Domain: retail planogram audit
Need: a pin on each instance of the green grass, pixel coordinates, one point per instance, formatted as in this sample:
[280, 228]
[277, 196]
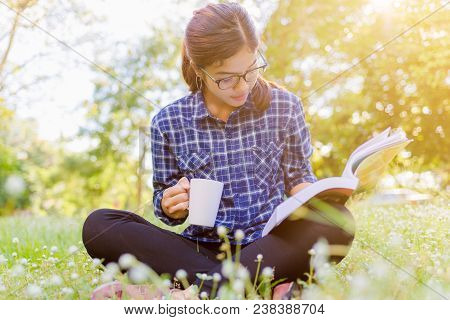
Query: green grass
[400, 252]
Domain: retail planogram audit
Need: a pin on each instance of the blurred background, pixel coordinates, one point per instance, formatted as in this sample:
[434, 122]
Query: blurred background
[80, 82]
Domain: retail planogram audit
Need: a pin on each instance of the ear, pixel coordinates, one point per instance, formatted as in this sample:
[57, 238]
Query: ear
[194, 67]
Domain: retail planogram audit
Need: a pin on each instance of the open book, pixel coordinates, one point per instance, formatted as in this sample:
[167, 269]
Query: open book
[363, 169]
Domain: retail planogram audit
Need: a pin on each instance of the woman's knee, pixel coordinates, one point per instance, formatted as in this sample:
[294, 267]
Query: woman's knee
[98, 221]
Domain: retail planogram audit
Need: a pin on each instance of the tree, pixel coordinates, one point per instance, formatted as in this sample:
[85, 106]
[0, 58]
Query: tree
[404, 85]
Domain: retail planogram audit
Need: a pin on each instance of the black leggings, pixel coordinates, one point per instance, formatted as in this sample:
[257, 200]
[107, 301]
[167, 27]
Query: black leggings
[109, 233]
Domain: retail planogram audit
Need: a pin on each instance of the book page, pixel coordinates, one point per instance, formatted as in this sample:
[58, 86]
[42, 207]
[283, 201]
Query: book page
[371, 168]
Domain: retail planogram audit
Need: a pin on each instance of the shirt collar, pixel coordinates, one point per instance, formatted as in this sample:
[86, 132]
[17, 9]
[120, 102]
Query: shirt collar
[201, 111]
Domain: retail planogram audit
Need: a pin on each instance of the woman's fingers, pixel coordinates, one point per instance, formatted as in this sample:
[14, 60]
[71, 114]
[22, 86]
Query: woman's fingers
[179, 211]
[173, 201]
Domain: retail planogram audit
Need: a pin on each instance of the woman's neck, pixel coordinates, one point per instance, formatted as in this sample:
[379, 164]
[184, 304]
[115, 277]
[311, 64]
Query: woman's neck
[216, 107]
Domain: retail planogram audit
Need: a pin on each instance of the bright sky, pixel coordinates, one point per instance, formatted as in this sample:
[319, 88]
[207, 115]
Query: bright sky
[56, 103]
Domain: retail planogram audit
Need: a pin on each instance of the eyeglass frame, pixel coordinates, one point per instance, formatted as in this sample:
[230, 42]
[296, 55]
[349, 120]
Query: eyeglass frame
[242, 75]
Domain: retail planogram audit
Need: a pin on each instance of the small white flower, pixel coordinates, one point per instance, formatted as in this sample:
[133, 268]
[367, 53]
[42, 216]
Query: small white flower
[127, 260]
[23, 261]
[33, 291]
[96, 262]
[139, 273]
[227, 268]
[34, 265]
[94, 281]
[15, 240]
[69, 264]
[239, 235]
[217, 277]
[107, 276]
[113, 268]
[242, 273]
[312, 252]
[181, 274]
[259, 257]
[221, 231]
[267, 272]
[74, 276]
[51, 260]
[67, 291]
[55, 280]
[44, 247]
[238, 286]
[54, 249]
[72, 249]
[14, 254]
[203, 295]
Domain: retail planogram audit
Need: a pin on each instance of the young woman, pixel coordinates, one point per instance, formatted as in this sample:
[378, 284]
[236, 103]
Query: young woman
[234, 127]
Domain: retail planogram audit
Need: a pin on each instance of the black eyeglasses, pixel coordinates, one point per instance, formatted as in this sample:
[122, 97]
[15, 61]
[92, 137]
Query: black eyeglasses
[249, 76]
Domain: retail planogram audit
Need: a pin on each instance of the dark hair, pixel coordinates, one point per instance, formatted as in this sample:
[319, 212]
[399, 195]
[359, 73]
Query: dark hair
[215, 33]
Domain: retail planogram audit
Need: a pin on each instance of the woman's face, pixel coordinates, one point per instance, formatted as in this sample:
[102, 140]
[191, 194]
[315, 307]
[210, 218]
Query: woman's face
[242, 61]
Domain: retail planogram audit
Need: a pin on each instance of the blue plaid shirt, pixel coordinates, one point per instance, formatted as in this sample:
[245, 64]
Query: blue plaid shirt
[258, 155]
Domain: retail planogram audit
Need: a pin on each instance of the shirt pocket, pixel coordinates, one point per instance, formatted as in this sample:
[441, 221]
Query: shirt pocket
[266, 164]
[196, 164]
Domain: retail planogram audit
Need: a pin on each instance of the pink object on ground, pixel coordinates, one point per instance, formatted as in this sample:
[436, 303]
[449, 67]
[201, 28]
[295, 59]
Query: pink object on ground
[284, 291]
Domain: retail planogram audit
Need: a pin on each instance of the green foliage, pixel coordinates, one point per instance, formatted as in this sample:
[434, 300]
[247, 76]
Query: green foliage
[404, 85]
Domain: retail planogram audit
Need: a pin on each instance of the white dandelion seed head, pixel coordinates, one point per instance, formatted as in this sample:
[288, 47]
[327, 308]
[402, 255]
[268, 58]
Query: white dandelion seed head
[203, 276]
[55, 280]
[181, 274]
[74, 276]
[203, 295]
[54, 249]
[239, 235]
[267, 272]
[259, 257]
[138, 273]
[311, 252]
[227, 268]
[67, 291]
[72, 249]
[15, 240]
[221, 231]
[33, 291]
[127, 260]
[217, 277]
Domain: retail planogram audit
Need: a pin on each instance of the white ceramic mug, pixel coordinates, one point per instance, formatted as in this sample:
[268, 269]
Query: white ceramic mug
[204, 201]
